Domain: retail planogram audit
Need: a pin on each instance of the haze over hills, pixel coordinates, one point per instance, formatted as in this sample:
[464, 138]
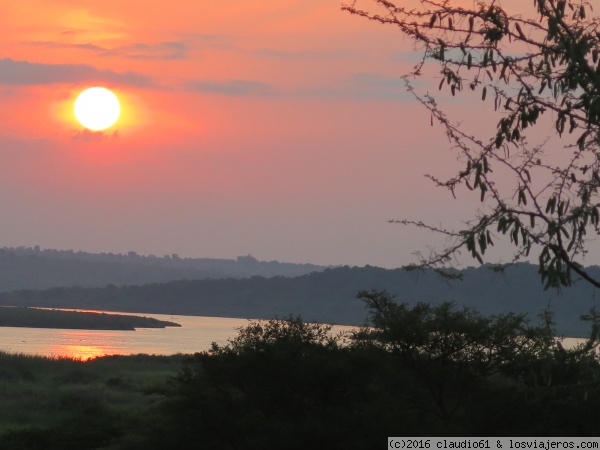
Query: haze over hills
[330, 295]
[35, 268]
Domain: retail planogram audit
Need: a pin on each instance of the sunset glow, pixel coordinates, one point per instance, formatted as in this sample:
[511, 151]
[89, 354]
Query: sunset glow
[81, 352]
[279, 129]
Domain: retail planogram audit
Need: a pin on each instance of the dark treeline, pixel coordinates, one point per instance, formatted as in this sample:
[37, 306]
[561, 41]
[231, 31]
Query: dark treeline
[329, 296]
[46, 318]
[35, 268]
[422, 370]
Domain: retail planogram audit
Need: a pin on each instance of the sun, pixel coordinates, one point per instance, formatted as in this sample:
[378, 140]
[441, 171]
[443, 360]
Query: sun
[97, 108]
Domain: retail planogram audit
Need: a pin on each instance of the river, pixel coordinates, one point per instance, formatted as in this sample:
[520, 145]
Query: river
[195, 334]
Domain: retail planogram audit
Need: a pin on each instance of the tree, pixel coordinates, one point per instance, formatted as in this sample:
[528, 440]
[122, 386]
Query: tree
[282, 384]
[433, 370]
[451, 350]
[532, 67]
[478, 371]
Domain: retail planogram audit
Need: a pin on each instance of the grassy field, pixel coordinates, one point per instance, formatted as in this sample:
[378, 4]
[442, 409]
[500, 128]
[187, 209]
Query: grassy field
[67, 403]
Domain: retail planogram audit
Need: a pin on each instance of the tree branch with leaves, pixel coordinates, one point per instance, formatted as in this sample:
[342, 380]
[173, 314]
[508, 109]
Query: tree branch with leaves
[544, 65]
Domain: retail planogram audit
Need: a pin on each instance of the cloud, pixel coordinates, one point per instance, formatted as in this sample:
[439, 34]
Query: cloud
[72, 32]
[24, 73]
[166, 50]
[377, 86]
[307, 54]
[64, 45]
[406, 56]
[93, 136]
[359, 86]
[140, 50]
[234, 87]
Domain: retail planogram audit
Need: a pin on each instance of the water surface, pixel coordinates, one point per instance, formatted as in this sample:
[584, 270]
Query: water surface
[195, 334]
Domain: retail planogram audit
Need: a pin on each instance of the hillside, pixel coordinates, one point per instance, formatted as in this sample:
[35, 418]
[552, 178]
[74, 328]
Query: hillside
[34, 268]
[330, 295]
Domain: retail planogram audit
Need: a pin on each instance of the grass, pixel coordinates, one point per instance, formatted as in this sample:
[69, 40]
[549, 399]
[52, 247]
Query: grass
[41, 392]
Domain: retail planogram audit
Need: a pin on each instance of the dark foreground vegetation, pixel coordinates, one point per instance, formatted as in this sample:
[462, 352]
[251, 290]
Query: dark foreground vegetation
[417, 371]
[67, 404]
[78, 320]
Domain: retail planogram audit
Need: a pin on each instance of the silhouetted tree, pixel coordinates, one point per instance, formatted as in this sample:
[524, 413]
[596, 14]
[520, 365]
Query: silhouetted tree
[525, 66]
[288, 384]
[479, 371]
[421, 370]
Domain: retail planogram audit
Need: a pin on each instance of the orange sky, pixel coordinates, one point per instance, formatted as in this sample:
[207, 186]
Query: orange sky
[277, 128]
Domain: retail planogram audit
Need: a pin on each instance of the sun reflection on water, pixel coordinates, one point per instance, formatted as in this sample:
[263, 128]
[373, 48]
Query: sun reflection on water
[81, 352]
[196, 334]
[86, 344]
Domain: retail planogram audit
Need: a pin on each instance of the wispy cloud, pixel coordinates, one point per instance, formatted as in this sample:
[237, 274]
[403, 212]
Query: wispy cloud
[377, 86]
[93, 136]
[234, 87]
[139, 50]
[142, 50]
[72, 32]
[359, 86]
[306, 54]
[26, 73]
[65, 45]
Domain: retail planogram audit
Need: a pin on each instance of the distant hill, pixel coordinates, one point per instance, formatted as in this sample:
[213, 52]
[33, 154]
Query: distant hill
[330, 295]
[34, 268]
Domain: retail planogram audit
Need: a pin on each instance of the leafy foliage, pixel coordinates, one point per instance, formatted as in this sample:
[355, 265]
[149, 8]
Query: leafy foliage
[546, 63]
[433, 370]
[279, 383]
[462, 357]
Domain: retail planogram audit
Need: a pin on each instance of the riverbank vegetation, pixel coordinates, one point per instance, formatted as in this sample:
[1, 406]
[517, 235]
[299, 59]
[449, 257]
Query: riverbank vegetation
[421, 370]
[79, 320]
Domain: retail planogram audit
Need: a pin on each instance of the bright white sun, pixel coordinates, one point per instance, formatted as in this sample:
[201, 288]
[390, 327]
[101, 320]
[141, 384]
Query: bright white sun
[97, 108]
